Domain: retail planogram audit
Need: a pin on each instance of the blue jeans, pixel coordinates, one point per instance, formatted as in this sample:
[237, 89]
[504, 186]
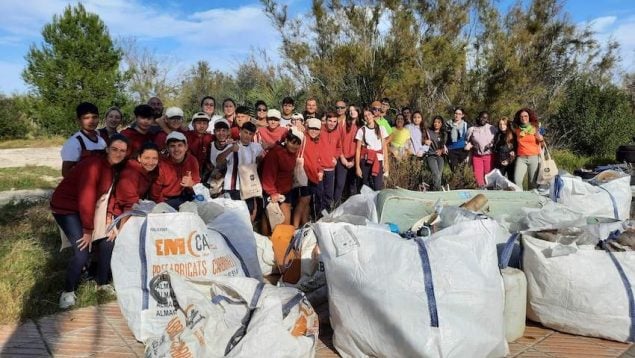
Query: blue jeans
[72, 227]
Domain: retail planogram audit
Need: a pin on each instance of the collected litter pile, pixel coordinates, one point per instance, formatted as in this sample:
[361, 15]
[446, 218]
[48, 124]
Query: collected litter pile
[449, 274]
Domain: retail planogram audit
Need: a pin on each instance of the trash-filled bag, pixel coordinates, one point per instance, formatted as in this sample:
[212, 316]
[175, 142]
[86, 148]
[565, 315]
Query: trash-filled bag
[580, 290]
[436, 297]
[234, 317]
[149, 244]
[497, 181]
[607, 195]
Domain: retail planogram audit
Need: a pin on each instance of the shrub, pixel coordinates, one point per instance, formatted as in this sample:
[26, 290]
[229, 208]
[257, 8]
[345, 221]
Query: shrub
[593, 119]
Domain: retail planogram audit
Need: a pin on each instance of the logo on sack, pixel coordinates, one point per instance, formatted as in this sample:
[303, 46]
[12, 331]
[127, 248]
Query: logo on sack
[194, 244]
[547, 170]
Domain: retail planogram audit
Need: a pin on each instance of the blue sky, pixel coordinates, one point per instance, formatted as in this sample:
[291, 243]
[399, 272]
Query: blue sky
[224, 32]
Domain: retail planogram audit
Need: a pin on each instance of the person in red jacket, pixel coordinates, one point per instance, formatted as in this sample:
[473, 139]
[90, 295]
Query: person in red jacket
[178, 173]
[74, 205]
[345, 178]
[331, 150]
[140, 133]
[173, 122]
[277, 173]
[273, 133]
[199, 142]
[136, 179]
[313, 167]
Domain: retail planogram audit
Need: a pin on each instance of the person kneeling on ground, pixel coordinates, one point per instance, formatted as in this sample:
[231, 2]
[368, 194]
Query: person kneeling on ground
[178, 173]
[79, 206]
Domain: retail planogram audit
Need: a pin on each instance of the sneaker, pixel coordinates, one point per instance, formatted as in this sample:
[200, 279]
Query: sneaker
[67, 299]
[107, 289]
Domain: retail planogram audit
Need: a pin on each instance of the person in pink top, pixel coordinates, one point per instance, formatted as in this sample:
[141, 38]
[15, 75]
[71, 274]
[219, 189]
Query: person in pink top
[480, 140]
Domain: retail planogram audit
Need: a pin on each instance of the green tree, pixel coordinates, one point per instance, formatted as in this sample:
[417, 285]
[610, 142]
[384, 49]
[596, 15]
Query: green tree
[201, 81]
[15, 117]
[76, 62]
[594, 119]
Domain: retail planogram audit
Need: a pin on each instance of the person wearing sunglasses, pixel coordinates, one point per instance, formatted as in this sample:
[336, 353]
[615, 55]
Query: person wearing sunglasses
[261, 114]
[376, 110]
[340, 109]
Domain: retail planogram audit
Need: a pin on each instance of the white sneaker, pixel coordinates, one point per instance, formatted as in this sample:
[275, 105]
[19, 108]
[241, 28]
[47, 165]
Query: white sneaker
[67, 299]
[107, 289]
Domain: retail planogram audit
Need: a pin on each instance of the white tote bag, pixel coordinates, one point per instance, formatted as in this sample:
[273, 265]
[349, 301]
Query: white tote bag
[547, 169]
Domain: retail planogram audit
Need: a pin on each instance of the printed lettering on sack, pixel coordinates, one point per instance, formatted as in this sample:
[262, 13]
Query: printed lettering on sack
[179, 251]
[167, 309]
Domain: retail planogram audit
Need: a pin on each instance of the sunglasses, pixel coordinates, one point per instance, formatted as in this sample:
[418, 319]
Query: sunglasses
[261, 110]
[340, 107]
[375, 109]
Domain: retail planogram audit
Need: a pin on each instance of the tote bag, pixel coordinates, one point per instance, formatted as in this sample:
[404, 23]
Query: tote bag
[250, 186]
[547, 169]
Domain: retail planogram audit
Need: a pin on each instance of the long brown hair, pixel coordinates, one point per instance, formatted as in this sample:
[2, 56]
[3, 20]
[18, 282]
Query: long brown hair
[509, 132]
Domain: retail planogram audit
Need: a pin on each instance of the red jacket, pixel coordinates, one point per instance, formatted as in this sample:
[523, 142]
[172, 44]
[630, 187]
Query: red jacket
[268, 137]
[134, 183]
[330, 147]
[137, 140]
[312, 159]
[168, 184]
[199, 146]
[277, 170]
[349, 146]
[159, 139]
[79, 191]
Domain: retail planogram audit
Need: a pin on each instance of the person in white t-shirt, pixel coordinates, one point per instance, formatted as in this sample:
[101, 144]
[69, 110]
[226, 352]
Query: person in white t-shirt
[86, 141]
[242, 152]
[371, 154]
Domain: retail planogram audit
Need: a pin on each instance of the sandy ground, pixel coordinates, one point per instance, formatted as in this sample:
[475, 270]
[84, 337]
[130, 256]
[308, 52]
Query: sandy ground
[21, 157]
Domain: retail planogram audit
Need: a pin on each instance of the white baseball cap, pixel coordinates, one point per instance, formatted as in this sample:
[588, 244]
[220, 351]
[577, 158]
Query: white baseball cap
[173, 112]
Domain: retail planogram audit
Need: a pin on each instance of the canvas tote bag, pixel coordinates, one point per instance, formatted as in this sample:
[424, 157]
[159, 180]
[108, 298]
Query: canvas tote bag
[547, 169]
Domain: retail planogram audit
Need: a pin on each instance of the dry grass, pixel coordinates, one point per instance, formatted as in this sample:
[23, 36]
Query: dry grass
[412, 172]
[31, 267]
[40, 142]
[29, 177]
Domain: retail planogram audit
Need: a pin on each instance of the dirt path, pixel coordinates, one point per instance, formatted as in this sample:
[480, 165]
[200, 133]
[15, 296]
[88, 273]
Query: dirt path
[21, 157]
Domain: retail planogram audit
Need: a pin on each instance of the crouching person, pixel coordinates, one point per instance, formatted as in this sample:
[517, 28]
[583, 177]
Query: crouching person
[135, 179]
[241, 161]
[178, 173]
[79, 206]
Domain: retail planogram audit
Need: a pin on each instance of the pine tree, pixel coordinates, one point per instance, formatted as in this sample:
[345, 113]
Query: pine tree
[76, 62]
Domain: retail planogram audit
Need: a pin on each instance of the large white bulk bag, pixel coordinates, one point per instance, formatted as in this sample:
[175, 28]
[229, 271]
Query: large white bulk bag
[152, 243]
[235, 317]
[599, 198]
[587, 292]
[436, 297]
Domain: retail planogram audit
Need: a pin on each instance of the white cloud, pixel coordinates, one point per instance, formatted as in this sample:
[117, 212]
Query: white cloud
[602, 23]
[222, 36]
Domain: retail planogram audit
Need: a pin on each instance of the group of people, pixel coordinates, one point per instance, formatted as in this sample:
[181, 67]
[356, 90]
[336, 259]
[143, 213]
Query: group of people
[513, 147]
[306, 162]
